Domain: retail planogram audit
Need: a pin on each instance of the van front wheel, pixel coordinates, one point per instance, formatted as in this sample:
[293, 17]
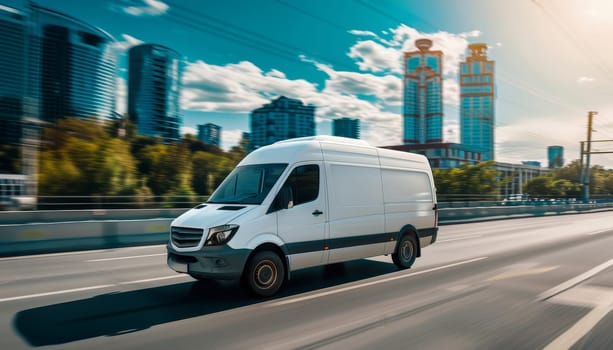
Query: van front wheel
[406, 252]
[264, 274]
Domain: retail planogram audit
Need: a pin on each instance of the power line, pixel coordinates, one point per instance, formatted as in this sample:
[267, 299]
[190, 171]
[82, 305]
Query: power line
[309, 14]
[243, 35]
[570, 35]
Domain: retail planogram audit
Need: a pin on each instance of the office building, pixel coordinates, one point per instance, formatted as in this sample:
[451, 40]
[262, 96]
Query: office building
[477, 113]
[443, 155]
[346, 127]
[75, 72]
[14, 27]
[555, 155]
[532, 163]
[423, 94]
[210, 134]
[281, 119]
[513, 177]
[153, 91]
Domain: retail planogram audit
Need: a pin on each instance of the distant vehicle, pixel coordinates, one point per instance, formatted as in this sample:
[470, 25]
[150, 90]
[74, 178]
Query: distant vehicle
[307, 202]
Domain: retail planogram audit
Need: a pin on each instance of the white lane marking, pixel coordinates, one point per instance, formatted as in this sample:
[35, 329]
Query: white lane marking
[462, 236]
[601, 299]
[599, 232]
[101, 286]
[574, 281]
[155, 279]
[37, 256]
[29, 296]
[126, 257]
[345, 289]
[53, 255]
[456, 239]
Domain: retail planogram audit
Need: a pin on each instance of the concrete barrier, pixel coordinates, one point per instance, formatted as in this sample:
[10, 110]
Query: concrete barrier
[51, 235]
[22, 217]
[21, 239]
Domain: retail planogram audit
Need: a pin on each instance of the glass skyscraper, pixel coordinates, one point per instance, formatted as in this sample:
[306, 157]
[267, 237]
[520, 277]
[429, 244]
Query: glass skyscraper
[555, 155]
[209, 134]
[477, 93]
[13, 72]
[423, 99]
[283, 118]
[346, 127]
[72, 65]
[154, 91]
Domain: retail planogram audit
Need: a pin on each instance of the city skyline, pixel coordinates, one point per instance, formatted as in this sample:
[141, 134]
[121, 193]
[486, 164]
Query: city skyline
[356, 69]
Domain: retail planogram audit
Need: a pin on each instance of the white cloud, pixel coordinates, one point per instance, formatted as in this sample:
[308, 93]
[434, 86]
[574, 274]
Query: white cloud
[375, 57]
[230, 138]
[189, 130]
[585, 80]
[239, 87]
[363, 33]
[141, 7]
[121, 96]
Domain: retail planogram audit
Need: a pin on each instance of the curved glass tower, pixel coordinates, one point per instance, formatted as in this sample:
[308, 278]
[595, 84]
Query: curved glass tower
[154, 91]
[76, 67]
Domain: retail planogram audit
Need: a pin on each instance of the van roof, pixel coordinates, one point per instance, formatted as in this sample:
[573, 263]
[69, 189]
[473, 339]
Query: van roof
[312, 148]
[328, 138]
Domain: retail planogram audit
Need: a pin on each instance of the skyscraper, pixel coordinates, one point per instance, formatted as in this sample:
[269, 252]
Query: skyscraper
[555, 155]
[346, 127]
[477, 101]
[281, 119]
[153, 91]
[423, 89]
[13, 73]
[74, 65]
[210, 134]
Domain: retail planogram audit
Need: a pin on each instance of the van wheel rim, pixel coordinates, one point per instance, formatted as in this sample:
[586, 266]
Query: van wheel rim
[265, 274]
[406, 250]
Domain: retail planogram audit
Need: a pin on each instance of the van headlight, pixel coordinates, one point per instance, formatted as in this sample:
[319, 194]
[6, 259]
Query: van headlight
[220, 234]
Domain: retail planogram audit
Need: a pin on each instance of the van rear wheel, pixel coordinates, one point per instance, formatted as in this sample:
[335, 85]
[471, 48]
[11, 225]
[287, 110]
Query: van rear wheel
[406, 252]
[264, 274]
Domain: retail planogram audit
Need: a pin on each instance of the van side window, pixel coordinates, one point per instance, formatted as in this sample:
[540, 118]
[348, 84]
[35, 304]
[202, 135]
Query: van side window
[304, 182]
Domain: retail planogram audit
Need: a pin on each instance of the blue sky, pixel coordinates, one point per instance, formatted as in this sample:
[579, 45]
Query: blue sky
[554, 61]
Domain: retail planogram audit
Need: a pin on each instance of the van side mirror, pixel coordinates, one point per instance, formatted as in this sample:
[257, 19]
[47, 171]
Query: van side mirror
[285, 198]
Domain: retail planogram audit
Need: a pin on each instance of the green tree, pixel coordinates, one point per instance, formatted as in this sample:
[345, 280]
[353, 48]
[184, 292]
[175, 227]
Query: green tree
[205, 167]
[475, 182]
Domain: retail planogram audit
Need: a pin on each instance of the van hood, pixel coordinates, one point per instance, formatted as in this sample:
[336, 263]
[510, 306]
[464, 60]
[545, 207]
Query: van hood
[210, 215]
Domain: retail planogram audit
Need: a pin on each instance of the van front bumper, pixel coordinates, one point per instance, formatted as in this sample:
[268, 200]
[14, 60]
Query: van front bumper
[215, 262]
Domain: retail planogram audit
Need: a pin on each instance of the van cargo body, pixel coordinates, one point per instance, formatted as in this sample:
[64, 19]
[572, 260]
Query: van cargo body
[307, 202]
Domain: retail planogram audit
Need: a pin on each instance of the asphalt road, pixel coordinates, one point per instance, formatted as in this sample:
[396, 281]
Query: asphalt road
[514, 284]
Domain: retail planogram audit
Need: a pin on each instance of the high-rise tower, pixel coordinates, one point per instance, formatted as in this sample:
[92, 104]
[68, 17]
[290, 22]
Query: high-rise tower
[154, 90]
[423, 94]
[477, 94]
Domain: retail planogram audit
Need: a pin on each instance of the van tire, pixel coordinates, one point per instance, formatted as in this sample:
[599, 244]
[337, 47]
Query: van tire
[264, 274]
[406, 252]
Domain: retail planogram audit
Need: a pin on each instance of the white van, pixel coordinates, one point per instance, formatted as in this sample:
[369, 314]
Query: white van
[306, 202]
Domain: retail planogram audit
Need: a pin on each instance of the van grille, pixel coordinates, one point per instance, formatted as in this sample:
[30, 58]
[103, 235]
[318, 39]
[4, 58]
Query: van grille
[184, 237]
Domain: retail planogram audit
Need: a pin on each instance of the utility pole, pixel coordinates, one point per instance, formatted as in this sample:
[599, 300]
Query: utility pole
[588, 146]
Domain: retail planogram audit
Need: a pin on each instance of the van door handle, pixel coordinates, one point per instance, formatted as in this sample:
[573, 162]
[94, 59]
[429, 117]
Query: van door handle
[317, 212]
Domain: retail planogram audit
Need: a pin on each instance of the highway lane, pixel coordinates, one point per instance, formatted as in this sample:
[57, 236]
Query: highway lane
[479, 286]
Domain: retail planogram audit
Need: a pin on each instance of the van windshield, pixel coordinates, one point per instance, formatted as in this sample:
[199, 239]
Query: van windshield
[248, 184]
